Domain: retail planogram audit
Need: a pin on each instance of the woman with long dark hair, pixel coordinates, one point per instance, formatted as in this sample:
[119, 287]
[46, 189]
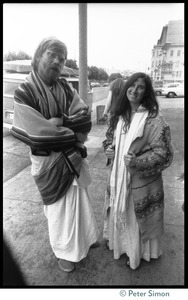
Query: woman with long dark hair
[138, 145]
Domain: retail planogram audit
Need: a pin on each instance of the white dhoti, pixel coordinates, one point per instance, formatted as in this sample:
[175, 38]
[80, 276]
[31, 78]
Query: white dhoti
[72, 224]
[71, 220]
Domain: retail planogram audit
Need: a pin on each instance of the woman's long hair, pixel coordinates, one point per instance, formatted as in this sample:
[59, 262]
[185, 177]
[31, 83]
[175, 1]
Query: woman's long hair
[122, 107]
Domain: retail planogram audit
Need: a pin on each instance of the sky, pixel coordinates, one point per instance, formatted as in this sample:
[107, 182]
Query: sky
[120, 36]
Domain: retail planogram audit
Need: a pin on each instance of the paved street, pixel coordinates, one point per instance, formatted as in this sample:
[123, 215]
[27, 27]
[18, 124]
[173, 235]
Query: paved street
[25, 225]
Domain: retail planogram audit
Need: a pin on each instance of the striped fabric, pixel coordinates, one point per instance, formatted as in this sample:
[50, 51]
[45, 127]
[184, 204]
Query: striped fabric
[34, 104]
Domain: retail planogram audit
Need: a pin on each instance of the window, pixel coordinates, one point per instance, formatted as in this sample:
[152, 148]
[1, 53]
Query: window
[179, 52]
[171, 52]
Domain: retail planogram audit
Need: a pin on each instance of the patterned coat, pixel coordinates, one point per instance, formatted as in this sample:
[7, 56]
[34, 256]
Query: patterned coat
[154, 153]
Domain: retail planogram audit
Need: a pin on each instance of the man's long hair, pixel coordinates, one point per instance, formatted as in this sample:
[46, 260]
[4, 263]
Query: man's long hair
[122, 107]
[51, 43]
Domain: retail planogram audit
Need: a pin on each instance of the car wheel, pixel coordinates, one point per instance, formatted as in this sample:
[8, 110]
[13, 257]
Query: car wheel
[158, 93]
[171, 95]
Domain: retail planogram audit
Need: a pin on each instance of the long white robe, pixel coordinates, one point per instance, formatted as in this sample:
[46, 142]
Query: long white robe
[71, 220]
[127, 240]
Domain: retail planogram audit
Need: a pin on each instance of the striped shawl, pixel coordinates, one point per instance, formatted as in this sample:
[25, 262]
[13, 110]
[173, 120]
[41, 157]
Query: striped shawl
[34, 104]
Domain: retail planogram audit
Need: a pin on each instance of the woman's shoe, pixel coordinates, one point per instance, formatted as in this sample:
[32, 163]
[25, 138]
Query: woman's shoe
[65, 265]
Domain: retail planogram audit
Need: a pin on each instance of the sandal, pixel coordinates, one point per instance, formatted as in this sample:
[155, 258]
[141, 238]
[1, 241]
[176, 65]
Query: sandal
[65, 265]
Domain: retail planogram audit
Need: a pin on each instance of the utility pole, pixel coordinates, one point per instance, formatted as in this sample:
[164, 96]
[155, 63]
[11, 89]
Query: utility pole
[83, 78]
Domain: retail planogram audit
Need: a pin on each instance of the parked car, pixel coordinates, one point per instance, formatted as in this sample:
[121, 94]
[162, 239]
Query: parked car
[11, 81]
[158, 91]
[95, 84]
[105, 84]
[173, 90]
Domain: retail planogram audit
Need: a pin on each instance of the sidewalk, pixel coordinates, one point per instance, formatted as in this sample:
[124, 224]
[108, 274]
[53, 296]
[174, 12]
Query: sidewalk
[25, 226]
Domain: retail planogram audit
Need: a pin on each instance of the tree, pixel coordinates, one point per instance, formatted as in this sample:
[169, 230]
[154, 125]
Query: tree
[71, 63]
[102, 75]
[114, 76]
[97, 74]
[93, 73]
[16, 56]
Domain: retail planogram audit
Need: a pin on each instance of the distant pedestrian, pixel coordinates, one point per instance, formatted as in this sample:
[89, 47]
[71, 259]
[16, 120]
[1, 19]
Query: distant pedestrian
[50, 117]
[115, 88]
[138, 144]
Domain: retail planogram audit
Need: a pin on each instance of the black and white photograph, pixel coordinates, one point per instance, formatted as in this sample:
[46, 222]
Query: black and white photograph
[93, 150]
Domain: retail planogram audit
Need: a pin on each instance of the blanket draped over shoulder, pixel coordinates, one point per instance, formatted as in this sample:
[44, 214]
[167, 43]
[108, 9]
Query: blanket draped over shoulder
[34, 105]
[154, 153]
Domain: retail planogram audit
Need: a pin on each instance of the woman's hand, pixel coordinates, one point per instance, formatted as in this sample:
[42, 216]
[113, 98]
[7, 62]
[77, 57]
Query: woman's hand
[110, 152]
[130, 159]
[56, 121]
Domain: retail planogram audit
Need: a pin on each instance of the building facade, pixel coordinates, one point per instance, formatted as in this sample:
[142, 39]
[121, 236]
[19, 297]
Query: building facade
[167, 64]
